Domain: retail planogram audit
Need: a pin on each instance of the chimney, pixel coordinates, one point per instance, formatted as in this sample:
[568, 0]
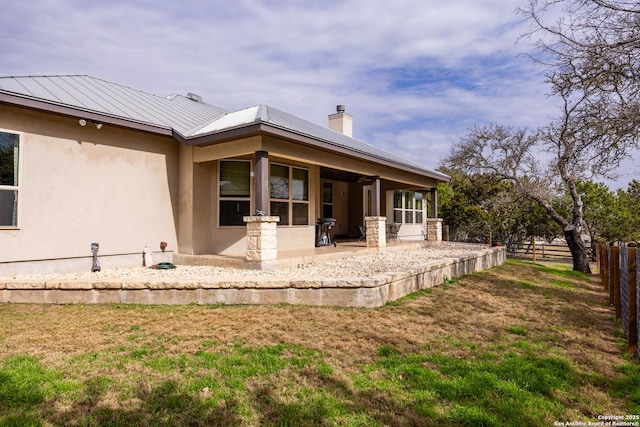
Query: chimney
[341, 122]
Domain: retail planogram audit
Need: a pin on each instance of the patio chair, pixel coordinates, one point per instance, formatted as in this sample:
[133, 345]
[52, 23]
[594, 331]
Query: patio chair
[392, 231]
[363, 232]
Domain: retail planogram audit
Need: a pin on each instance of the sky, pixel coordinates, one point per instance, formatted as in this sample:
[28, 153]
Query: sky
[415, 75]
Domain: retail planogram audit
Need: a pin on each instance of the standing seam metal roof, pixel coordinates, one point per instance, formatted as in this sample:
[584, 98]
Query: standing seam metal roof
[100, 96]
[283, 120]
[190, 118]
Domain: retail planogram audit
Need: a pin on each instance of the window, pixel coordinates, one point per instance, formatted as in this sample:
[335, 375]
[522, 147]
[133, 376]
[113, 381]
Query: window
[397, 206]
[289, 192]
[419, 207]
[9, 178]
[408, 207]
[235, 191]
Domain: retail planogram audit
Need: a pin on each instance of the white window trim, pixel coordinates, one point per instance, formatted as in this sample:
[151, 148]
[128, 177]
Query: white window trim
[17, 188]
[290, 200]
[404, 210]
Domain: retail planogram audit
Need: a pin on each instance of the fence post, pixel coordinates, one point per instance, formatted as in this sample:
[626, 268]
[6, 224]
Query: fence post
[614, 289]
[605, 267]
[637, 303]
[533, 249]
[606, 264]
[632, 336]
[609, 273]
[600, 261]
[624, 288]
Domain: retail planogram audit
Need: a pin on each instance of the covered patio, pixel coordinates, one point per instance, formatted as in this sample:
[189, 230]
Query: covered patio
[294, 257]
[256, 184]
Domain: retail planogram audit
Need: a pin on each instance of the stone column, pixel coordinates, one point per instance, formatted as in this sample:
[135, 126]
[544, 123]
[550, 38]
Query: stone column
[262, 239]
[376, 231]
[434, 229]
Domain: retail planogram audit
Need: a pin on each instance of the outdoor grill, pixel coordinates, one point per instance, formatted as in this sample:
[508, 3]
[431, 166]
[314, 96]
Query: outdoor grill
[323, 235]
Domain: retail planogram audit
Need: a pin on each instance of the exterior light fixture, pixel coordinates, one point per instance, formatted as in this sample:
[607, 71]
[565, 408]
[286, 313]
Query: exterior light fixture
[83, 123]
[94, 249]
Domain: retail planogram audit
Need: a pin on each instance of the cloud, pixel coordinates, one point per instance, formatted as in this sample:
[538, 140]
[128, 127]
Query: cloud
[413, 74]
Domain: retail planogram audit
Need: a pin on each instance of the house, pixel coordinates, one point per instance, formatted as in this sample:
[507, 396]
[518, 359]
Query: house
[84, 160]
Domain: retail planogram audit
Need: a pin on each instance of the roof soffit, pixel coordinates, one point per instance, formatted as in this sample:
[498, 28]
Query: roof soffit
[307, 140]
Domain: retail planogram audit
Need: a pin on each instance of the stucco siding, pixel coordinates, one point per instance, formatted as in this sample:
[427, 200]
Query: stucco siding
[411, 232]
[111, 186]
[298, 237]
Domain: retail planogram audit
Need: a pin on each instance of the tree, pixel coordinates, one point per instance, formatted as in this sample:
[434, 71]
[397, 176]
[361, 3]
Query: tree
[591, 49]
[628, 209]
[592, 52]
[460, 205]
[603, 214]
[475, 205]
[611, 216]
[513, 155]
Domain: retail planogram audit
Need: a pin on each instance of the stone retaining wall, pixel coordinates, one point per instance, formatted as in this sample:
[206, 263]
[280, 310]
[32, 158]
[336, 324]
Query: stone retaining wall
[370, 292]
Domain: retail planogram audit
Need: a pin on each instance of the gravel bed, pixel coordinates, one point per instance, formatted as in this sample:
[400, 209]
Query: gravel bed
[354, 266]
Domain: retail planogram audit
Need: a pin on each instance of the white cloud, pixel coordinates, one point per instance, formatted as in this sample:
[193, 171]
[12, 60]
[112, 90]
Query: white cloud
[412, 73]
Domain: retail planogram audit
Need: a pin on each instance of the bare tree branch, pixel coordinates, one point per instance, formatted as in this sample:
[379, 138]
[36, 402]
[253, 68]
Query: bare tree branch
[512, 154]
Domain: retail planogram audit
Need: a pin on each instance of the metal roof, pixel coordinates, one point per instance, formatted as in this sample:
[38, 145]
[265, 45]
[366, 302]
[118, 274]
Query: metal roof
[89, 94]
[189, 117]
[283, 120]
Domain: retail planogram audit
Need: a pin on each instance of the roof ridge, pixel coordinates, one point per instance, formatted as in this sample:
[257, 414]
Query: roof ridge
[326, 128]
[25, 76]
[339, 136]
[263, 113]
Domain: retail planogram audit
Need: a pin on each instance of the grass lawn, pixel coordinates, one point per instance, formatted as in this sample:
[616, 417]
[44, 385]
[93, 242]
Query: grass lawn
[518, 345]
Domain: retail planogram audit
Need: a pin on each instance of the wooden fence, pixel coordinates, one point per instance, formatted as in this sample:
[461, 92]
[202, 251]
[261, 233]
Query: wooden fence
[618, 267]
[543, 250]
